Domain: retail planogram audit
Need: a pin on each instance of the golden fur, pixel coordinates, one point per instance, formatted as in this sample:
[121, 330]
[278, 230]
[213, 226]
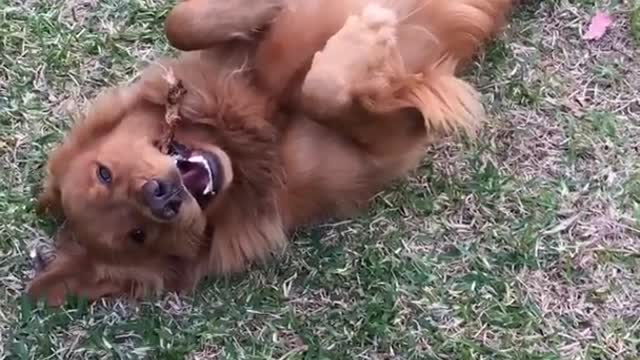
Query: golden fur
[288, 156]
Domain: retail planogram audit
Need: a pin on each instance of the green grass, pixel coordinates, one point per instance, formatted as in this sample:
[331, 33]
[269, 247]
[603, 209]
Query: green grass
[635, 23]
[523, 244]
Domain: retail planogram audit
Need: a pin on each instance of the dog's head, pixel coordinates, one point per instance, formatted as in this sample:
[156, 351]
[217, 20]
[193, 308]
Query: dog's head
[127, 205]
[123, 197]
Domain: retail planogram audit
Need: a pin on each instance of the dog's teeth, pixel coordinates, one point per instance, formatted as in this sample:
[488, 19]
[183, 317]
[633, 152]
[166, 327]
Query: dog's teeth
[199, 159]
[209, 189]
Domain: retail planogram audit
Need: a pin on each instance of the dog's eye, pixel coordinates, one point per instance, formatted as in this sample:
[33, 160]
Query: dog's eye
[137, 236]
[104, 174]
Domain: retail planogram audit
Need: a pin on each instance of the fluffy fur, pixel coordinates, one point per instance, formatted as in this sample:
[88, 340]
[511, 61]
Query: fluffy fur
[292, 150]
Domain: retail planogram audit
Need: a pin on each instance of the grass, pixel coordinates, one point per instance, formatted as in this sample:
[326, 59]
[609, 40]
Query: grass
[521, 245]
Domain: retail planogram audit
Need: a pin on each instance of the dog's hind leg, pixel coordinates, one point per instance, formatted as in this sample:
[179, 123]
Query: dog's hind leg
[386, 59]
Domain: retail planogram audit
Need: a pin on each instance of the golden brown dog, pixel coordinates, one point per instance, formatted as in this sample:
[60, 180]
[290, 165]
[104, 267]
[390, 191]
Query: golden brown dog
[295, 111]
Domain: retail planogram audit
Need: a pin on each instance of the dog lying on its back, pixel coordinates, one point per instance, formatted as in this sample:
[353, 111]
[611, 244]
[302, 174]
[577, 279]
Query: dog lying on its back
[295, 111]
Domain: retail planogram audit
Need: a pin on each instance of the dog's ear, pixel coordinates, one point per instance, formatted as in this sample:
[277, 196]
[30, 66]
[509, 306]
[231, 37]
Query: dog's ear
[55, 282]
[69, 274]
[49, 201]
[66, 279]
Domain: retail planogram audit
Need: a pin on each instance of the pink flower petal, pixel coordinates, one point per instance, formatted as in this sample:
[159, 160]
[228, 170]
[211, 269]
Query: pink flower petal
[599, 24]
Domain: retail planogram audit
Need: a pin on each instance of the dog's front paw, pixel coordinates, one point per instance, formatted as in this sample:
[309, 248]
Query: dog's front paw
[376, 17]
[355, 54]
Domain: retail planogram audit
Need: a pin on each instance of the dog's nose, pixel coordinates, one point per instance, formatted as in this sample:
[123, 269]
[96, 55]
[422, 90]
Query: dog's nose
[163, 198]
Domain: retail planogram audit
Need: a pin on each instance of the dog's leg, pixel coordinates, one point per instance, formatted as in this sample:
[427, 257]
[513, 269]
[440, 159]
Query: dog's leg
[201, 24]
[362, 54]
[383, 62]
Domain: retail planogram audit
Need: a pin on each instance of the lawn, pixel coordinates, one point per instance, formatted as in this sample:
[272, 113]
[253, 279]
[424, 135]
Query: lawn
[521, 244]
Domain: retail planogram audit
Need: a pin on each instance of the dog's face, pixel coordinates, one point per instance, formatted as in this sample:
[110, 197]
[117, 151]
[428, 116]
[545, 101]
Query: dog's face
[124, 200]
[133, 213]
[125, 197]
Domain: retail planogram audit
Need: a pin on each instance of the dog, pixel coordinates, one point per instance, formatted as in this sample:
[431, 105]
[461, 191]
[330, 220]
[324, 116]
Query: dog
[295, 112]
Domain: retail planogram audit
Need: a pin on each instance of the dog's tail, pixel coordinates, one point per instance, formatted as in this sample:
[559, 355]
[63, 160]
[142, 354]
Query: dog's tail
[432, 29]
[434, 39]
[447, 103]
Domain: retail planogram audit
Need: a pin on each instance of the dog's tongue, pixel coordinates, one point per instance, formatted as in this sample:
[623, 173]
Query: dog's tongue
[195, 176]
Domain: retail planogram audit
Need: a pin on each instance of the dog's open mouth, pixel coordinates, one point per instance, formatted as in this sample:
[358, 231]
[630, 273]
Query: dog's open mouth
[200, 171]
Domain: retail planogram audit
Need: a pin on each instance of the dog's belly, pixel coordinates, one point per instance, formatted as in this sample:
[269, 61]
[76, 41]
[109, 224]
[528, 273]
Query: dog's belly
[327, 174]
